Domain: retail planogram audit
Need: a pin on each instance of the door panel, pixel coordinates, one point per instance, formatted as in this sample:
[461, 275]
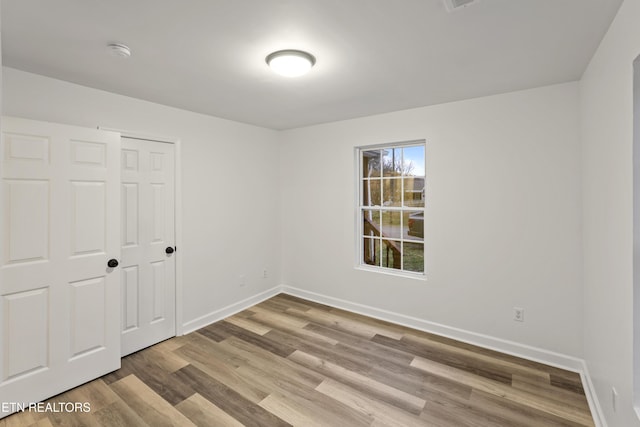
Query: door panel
[88, 228]
[27, 220]
[88, 321]
[130, 292]
[86, 153]
[26, 340]
[158, 286]
[158, 206]
[59, 303]
[27, 149]
[129, 214]
[148, 273]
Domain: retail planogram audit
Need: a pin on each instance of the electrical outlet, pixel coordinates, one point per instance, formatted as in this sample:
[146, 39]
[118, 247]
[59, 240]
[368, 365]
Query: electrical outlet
[264, 274]
[243, 280]
[614, 399]
[518, 314]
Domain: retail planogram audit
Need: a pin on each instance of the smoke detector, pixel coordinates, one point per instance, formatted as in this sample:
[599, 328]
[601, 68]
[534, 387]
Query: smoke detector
[452, 5]
[119, 50]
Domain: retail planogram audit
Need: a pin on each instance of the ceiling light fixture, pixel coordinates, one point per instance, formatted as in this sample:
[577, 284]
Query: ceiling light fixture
[290, 63]
[119, 49]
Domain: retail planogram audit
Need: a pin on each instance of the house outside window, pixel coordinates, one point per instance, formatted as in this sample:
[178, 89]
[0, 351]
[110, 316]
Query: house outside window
[391, 199]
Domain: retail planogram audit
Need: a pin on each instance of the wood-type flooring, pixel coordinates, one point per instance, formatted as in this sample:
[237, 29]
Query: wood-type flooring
[292, 362]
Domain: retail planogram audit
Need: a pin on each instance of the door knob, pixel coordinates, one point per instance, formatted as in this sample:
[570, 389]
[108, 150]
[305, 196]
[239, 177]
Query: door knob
[169, 250]
[112, 263]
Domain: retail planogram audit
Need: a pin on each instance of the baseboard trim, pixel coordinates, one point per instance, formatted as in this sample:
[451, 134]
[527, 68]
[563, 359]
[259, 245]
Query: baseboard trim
[592, 397]
[504, 346]
[535, 354]
[229, 310]
[513, 348]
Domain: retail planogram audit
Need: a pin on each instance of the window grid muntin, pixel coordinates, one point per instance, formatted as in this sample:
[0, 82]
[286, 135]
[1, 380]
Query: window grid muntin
[405, 206]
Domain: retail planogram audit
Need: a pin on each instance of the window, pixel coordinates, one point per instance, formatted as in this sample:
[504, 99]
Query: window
[391, 199]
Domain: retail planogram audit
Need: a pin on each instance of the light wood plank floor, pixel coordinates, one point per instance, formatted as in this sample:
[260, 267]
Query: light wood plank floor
[288, 361]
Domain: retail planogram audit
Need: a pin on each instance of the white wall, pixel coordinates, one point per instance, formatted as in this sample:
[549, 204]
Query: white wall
[607, 134]
[0, 72]
[229, 182]
[503, 216]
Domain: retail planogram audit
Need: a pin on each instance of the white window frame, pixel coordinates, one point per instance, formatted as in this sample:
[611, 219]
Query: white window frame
[360, 208]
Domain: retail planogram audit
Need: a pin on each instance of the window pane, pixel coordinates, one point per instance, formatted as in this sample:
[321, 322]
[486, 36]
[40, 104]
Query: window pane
[414, 191]
[391, 254]
[371, 163]
[392, 162]
[391, 226]
[392, 191]
[413, 225]
[371, 223]
[413, 259]
[413, 158]
[371, 251]
[392, 200]
[371, 192]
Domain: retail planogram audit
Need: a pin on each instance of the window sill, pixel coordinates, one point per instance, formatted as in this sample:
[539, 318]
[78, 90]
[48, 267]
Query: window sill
[422, 277]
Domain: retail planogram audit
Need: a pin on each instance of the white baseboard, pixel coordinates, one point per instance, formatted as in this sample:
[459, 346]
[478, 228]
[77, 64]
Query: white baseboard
[513, 348]
[492, 343]
[229, 310]
[592, 397]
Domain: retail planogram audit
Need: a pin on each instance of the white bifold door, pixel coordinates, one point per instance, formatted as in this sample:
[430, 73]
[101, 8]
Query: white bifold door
[148, 243]
[59, 246]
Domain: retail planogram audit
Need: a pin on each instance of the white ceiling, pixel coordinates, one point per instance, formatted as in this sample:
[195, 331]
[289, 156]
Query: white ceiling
[373, 56]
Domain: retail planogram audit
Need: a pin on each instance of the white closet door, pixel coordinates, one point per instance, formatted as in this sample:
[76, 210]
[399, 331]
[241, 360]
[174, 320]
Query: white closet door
[60, 225]
[148, 243]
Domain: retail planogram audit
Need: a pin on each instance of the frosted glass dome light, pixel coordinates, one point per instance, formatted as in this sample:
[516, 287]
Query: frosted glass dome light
[290, 63]
[120, 50]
